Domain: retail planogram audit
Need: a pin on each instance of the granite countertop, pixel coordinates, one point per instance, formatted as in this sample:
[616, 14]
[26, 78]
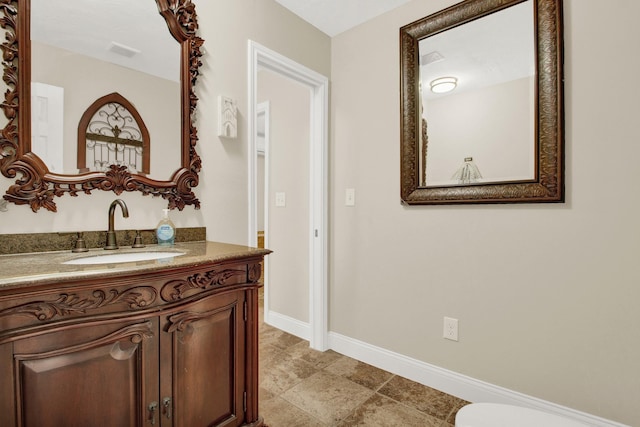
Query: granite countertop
[39, 268]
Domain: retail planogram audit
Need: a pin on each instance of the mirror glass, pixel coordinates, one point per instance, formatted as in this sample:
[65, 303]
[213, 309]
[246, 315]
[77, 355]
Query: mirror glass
[82, 50]
[477, 84]
[481, 109]
[81, 60]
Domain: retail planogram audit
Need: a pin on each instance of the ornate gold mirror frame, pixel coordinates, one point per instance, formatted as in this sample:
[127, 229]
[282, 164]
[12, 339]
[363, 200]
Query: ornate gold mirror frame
[35, 185]
[548, 183]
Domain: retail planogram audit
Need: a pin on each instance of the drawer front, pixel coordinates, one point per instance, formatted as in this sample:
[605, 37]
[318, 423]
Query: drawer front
[72, 301]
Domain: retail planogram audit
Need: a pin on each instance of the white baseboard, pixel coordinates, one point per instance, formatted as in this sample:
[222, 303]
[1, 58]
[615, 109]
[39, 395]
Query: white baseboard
[450, 382]
[288, 324]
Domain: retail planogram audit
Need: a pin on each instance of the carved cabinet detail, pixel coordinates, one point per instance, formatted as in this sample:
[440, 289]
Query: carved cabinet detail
[175, 348]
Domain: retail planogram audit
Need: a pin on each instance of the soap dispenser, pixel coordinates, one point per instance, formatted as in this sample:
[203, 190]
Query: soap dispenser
[166, 231]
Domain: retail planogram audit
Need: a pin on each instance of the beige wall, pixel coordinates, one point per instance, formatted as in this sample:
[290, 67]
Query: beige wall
[156, 99]
[287, 232]
[547, 295]
[226, 26]
[479, 124]
[260, 167]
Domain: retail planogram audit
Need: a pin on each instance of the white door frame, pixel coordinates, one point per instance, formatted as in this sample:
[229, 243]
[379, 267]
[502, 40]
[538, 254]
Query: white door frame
[261, 57]
[265, 108]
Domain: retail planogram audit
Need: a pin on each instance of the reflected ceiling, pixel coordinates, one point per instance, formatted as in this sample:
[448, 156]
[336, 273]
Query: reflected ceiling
[106, 30]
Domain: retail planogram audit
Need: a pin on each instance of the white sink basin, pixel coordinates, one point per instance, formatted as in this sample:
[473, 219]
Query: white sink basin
[122, 257]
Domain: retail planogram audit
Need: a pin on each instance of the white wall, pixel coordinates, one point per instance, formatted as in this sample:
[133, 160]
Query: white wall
[547, 295]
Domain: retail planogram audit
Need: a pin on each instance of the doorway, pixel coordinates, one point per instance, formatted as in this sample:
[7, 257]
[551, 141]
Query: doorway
[262, 58]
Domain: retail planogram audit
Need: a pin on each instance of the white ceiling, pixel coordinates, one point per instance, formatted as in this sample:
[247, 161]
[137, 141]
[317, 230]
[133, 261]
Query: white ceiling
[335, 16]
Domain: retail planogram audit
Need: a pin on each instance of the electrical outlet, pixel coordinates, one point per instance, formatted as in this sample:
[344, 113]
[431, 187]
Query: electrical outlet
[450, 329]
[281, 200]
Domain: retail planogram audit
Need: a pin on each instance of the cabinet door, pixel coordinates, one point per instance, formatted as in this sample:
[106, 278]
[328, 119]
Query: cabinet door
[87, 375]
[203, 362]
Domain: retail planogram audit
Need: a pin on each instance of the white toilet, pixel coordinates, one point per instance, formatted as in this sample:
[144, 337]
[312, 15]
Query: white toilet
[498, 415]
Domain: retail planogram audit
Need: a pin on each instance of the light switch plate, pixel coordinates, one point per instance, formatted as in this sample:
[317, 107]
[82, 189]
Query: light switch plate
[350, 197]
[281, 199]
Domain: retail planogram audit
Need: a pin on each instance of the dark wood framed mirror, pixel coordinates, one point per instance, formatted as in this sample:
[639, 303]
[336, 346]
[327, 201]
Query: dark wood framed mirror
[38, 186]
[504, 58]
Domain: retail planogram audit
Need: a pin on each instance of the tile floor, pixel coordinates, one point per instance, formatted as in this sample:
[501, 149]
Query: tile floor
[300, 387]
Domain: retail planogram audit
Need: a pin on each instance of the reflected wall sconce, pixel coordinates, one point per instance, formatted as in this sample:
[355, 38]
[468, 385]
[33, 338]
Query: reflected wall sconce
[443, 84]
[227, 117]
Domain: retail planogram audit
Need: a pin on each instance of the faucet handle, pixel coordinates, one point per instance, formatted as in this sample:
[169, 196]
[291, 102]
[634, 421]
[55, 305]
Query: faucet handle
[81, 245]
[137, 242]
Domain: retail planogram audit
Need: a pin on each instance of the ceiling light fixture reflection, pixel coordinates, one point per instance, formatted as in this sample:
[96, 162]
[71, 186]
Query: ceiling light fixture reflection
[443, 84]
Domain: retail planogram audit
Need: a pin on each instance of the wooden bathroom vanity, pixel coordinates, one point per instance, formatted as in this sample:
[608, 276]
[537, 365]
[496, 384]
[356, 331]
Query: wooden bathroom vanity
[169, 342]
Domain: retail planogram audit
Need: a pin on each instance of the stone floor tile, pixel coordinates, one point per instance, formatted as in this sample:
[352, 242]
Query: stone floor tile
[327, 397]
[359, 372]
[421, 397]
[264, 394]
[268, 354]
[280, 374]
[277, 412]
[380, 411]
[277, 338]
[451, 419]
[319, 359]
[300, 387]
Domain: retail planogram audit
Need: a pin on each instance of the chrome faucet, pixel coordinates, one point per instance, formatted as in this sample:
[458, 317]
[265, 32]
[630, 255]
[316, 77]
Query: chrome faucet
[111, 233]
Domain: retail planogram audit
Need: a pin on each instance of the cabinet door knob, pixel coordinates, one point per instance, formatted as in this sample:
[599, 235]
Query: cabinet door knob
[153, 407]
[166, 403]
